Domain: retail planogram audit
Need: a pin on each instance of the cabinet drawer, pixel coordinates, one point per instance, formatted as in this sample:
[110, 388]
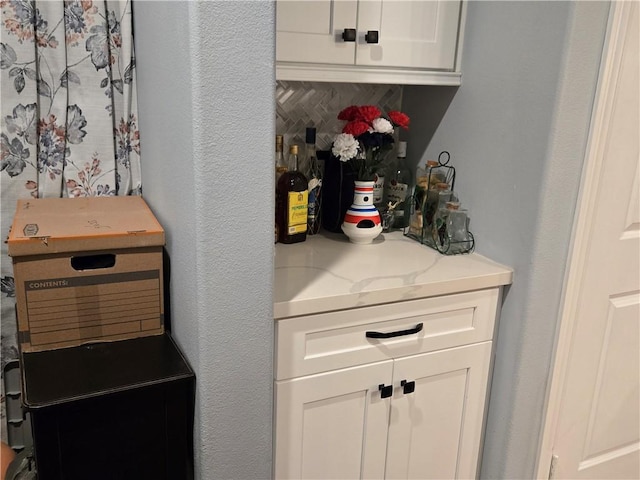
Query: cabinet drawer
[319, 343]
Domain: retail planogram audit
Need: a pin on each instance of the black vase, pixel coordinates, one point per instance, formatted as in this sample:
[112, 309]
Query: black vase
[337, 191]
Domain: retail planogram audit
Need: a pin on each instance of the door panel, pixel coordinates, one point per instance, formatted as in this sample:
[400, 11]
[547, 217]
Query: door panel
[607, 430]
[310, 31]
[333, 425]
[435, 431]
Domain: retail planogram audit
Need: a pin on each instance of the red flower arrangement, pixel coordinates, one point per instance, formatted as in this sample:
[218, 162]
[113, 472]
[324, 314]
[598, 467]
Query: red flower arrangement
[366, 137]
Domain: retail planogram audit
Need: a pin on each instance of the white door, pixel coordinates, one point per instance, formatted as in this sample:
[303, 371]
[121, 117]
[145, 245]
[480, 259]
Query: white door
[333, 425]
[411, 34]
[594, 419]
[435, 427]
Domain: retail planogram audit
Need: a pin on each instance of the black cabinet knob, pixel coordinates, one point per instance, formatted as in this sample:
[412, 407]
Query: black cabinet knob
[407, 387]
[385, 390]
[349, 35]
[371, 36]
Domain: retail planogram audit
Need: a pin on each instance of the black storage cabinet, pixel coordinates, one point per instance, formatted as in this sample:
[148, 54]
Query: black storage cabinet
[113, 410]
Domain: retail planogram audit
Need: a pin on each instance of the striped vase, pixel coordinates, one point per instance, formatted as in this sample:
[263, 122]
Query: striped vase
[362, 222]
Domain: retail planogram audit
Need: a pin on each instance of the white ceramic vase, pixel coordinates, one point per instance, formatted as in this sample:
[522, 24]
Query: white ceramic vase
[362, 223]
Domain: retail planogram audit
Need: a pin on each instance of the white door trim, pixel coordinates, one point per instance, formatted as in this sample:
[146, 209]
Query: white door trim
[594, 160]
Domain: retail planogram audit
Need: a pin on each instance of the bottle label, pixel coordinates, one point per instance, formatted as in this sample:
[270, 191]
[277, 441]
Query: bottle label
[397, 192]
[378, 189]
[297, 212]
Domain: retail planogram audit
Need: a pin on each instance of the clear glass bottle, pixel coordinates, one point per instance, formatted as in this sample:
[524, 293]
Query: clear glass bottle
[281, 165]
[378, 190]
[398, 188]
[292, 197]
[315, 183]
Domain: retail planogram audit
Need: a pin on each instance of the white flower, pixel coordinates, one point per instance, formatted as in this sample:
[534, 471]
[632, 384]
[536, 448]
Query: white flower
[345, 147]
[382, 125]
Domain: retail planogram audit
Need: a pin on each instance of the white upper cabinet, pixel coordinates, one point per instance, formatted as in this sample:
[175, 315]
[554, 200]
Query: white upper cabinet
[371, 41]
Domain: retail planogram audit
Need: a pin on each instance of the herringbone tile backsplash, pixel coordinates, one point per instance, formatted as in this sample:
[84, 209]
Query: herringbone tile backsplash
[316, 104]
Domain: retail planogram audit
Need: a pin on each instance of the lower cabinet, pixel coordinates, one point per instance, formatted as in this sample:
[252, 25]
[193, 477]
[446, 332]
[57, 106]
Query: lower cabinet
[414, 417]
[393, 391]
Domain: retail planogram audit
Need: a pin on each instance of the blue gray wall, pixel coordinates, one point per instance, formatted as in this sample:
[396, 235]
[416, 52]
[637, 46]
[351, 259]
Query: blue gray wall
[206, 101]
[517, 131]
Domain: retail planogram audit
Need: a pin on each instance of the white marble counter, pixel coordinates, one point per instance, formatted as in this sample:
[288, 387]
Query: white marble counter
[328, 273]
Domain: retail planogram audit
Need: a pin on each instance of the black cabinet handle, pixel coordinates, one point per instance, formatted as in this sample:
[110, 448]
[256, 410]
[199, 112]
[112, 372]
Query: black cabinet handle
[385, 390]
[371, 36]
[349, 35]
[408, 387]
[398, 333]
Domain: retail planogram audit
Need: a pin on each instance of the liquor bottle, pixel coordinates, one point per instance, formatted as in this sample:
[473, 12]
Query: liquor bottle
[398, 187]
[281, 165]
[292, 202]
[378, 190]
[315, 183]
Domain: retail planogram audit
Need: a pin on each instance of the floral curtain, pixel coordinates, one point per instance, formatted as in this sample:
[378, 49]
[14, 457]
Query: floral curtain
[68, 111]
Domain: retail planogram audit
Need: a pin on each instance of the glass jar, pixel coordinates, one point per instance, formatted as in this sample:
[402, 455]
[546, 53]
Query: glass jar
[436, 199]
[439, 226]
[458, 232]
[426, 197]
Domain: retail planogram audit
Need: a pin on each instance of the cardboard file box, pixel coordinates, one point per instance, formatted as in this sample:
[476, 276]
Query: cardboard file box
[86, 270]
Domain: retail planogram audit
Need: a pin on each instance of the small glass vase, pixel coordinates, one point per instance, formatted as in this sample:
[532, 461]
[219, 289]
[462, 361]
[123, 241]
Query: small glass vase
[362, 223]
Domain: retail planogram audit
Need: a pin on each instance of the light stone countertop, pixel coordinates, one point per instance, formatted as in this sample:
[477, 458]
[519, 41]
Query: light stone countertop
[327, 272]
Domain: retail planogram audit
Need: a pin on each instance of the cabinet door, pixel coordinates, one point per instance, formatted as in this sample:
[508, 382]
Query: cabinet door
[413, 34]
[311, 31]
[435, 431]
[333, 425]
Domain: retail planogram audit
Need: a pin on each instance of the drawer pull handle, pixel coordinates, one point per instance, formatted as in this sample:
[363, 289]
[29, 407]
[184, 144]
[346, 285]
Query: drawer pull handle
[398, 333]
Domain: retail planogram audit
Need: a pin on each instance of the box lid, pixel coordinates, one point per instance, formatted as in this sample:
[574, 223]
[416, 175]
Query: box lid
[57, 225]
[69, 374]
